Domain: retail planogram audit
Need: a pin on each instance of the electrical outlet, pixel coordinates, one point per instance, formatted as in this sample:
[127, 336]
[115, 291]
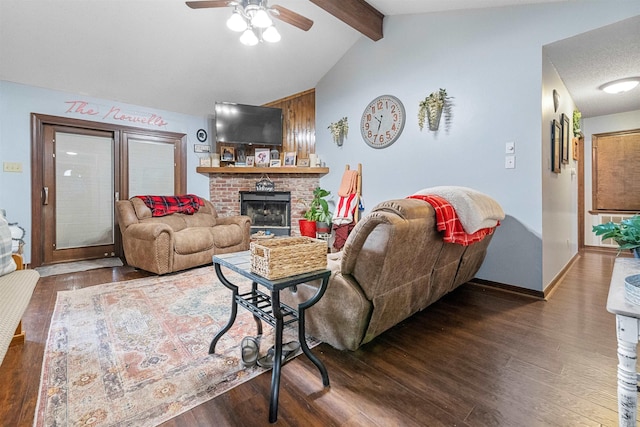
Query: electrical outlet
[510, 162]
[12, 167]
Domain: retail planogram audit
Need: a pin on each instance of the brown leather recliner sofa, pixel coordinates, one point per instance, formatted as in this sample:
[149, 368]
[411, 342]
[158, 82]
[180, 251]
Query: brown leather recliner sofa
[178, 241]
[393, 264]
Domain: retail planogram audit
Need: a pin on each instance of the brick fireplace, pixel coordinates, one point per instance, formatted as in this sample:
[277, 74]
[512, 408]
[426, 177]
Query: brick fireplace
[225, 188]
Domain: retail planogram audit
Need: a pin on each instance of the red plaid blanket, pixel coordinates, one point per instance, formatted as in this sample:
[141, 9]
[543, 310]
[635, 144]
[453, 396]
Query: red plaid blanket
[167, 205]
[448, 221]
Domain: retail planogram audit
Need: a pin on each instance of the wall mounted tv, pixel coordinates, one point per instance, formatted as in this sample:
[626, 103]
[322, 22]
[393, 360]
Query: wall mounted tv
[248, 124]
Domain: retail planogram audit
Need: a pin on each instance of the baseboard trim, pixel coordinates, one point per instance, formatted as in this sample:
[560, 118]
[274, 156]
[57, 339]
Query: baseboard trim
[556, 280]
[507, 288]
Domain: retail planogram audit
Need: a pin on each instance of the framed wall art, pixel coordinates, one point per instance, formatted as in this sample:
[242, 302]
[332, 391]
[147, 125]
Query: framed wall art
[566, 147]
[556, 146]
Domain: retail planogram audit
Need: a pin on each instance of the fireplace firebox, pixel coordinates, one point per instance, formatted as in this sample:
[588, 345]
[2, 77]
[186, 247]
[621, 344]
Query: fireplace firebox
[268, 210]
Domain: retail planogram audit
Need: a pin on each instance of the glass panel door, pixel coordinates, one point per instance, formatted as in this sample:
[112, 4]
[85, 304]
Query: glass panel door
[78, 204]
[151, 168]
[84, 190]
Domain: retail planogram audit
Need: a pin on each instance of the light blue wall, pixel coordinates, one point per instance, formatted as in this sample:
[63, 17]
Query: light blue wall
[17, 102]
[490, 61]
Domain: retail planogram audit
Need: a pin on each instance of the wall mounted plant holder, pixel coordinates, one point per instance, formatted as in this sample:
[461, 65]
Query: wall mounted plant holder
[433, 107]
[339, 130]
[556, 100]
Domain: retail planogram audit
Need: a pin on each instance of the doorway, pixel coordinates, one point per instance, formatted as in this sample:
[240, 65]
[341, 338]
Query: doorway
[80, 169]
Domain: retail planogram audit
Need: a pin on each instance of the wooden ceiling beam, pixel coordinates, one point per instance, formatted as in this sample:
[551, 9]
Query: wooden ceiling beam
[356, 13]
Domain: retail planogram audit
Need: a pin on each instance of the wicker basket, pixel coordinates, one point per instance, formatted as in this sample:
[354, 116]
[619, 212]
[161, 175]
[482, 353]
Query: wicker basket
[282, 257]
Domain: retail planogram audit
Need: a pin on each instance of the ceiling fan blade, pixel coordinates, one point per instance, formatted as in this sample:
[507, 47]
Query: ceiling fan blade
[207, 4]
[290, 17]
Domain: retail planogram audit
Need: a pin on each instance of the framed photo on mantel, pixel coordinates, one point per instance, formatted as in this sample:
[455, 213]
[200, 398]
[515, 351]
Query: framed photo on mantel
[262, 157]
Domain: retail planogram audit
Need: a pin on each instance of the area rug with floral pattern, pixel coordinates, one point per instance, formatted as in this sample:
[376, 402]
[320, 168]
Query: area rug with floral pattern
[135, 353]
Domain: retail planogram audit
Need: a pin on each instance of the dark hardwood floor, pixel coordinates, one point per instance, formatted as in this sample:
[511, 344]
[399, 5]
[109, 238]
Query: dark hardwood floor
[478, 357]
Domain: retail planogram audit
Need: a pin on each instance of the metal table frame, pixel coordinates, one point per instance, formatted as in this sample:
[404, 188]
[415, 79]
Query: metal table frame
[268, 307]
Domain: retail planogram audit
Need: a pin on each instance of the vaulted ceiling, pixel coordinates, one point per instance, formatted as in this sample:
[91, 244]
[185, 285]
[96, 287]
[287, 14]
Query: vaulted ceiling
[164, 55]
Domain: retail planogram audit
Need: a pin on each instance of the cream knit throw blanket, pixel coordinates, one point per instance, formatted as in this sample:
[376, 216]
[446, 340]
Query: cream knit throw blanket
[475, 210]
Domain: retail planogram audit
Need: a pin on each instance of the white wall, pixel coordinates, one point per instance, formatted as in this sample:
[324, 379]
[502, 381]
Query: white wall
[559, 190]
[593, 126]
[17, 102]
[490, 61]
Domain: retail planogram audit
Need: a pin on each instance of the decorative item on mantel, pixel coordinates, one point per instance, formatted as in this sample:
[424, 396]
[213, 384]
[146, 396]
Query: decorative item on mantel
[626, 233]
[265, 184]
[432, 108]
[339, 130]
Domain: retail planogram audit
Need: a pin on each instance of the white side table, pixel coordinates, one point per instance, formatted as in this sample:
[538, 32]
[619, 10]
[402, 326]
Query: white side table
[627, 329]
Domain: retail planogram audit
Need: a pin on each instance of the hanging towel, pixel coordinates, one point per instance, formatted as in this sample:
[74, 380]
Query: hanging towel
[349, 184]
[345, 210]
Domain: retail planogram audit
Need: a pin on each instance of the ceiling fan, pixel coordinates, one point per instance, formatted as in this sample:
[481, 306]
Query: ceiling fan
[248, 9]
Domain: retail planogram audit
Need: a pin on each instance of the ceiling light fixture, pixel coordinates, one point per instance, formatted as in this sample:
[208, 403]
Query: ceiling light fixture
[620, 86]
[251, 18]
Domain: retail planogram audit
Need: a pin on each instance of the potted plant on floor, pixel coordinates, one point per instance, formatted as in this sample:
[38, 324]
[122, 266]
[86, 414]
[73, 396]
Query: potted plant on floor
[626, 233]
[317, 214]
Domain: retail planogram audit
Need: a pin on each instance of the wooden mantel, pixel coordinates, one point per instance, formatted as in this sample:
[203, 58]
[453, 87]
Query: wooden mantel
[255, 170]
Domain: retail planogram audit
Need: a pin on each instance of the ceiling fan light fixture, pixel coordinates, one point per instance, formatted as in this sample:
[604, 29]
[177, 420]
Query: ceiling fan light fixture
[236, 22]
[261, 19]
[620, 86]
[249, 38]
[271, 35]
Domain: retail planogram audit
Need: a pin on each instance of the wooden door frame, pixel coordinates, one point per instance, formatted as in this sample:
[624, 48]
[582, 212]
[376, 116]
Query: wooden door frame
[39, 121]
[581, 195]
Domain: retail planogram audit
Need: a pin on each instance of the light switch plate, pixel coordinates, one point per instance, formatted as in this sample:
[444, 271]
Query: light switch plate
[510, 147]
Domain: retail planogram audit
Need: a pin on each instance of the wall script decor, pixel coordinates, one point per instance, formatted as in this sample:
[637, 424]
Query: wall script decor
[114, 113]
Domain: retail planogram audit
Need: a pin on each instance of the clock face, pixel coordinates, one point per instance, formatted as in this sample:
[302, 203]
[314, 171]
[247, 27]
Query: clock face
[382, 121]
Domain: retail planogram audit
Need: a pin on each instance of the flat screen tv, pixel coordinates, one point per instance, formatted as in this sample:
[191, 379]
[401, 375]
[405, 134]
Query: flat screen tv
[248, 124]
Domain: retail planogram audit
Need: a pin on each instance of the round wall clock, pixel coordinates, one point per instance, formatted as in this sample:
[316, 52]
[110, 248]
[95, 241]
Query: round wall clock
[382, 121]
[201, 135]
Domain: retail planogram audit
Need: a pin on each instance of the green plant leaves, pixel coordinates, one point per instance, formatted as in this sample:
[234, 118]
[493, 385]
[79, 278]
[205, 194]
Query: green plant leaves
[626, 233]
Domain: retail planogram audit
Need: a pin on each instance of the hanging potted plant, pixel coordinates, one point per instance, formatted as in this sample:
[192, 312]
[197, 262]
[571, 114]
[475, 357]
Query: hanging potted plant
[339, 130]
[626, 233]
[317, 217]
[431, 109]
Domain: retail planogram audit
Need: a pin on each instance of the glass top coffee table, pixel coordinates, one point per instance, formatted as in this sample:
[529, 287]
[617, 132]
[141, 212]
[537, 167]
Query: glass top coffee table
[267, 306]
